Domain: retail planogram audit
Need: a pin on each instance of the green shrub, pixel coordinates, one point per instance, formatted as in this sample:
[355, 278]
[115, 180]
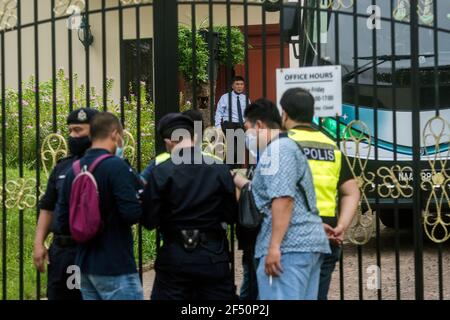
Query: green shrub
[52, 116]
[237, 48]
[185, 51]
[12, 253]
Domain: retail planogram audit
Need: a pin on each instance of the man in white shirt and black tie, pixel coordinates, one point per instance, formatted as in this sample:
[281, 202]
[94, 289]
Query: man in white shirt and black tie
[232, 117]
[239, 102]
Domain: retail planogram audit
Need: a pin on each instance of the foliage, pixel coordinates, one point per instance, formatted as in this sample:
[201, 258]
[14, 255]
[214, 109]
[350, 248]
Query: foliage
[237, 45]
[12, 254]
[13, 243]
[186, 51]
[34, 125]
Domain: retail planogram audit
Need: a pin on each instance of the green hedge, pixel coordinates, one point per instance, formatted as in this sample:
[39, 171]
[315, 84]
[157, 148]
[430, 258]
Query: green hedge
[29, 225]
[51, 115]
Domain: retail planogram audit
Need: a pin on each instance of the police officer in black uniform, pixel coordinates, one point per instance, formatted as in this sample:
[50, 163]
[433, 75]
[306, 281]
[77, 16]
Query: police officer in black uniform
[62, 251]
[190, 197]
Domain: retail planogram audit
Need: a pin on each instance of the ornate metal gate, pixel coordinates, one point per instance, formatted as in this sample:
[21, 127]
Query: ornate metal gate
[394, 130]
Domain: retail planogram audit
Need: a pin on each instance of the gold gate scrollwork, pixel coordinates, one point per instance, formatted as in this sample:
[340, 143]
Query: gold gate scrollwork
[21, 194]
[135, 233]
[128, 2]
[356, 139]
[8, 14]
[393, 187]
[338, 4]
[53, 149]
[61, 6]
[48, 241]
[214, 142]
[436, 214]
[129, 147]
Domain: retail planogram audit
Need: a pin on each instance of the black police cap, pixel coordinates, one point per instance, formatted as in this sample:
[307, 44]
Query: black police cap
[174, 121]
[81, 116]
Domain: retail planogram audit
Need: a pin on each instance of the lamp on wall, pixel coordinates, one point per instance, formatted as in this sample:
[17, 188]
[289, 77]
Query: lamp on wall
[273, 5]
[84, 33]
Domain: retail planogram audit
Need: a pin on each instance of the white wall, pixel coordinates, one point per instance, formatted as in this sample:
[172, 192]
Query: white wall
[112, 39]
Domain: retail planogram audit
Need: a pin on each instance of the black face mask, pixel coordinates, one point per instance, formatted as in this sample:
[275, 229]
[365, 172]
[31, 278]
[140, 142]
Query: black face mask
[78, 146]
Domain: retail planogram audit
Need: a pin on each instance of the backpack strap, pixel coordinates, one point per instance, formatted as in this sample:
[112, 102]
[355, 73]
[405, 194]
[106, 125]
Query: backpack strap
[76, 167]
[98, 160]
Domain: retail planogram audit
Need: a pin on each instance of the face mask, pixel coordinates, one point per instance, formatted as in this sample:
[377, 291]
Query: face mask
[251, 142]
[78, 146]
[119, 150]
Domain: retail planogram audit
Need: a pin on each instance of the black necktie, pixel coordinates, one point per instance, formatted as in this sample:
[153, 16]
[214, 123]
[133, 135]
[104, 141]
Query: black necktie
[241, 119]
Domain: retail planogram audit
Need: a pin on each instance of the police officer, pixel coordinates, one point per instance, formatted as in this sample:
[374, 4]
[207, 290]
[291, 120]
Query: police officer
[197, 117]
[61, 254]
[190, 197]
[331, 174]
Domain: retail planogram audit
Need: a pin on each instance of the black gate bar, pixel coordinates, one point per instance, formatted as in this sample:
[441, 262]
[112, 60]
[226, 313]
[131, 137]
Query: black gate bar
[37, 123]
[166, 60]
[417, 203]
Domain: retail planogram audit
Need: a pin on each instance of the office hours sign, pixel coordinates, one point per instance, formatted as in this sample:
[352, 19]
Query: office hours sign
[324, 83]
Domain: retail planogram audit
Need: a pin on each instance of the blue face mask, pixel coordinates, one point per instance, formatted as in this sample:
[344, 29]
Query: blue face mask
[119, 150]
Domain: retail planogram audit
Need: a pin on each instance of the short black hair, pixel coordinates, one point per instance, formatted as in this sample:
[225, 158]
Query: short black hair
[103, 124]
[298, 103]
[195, 115]
[167, 134]
[237, 78]
[265, 111]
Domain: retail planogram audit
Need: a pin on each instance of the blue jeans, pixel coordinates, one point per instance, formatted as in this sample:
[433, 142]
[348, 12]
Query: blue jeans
[326, 271]
[299, 280]
[123, 287]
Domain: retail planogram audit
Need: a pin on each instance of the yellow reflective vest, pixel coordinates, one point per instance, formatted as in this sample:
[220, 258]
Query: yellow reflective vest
[163, 157]
[324, 159]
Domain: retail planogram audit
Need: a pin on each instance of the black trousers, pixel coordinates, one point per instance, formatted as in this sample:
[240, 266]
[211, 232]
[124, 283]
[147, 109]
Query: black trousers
[233, 160]
[249, 288]
[203, 274]
[60, 259]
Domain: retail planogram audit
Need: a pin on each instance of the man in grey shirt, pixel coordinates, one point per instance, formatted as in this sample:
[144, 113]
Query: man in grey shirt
[292, 240]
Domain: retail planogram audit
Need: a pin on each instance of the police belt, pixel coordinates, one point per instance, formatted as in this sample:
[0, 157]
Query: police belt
[203, 237]
[64, 240]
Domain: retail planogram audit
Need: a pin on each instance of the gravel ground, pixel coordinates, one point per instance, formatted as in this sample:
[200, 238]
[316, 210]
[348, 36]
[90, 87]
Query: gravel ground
[351, 271]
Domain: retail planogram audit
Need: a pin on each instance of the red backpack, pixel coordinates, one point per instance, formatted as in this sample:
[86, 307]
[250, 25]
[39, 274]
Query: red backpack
[85, 219]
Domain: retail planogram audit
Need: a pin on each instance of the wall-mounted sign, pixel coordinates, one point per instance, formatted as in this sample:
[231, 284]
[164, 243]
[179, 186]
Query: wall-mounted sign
[324, 83]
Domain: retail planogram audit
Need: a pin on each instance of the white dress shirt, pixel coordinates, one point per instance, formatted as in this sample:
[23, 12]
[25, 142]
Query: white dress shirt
[222, 111]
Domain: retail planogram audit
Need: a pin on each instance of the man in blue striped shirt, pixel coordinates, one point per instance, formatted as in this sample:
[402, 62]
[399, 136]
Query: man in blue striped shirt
[291, 241]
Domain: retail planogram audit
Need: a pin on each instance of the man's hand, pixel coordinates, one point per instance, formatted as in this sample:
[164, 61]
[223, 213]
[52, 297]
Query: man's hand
[239, 180]
[329, 231]
[335, 235]
[339, 233]
[273, 262]
[40, 256]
